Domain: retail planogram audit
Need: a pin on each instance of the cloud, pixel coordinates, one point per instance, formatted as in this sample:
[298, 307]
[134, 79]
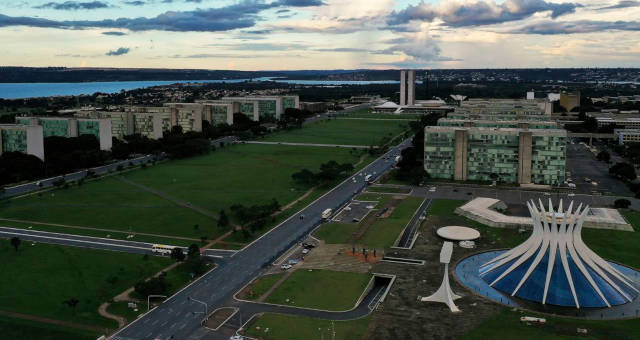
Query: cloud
[135, 3]
[115, 33]
[242, 14]
[261, 47]
[580, 26]
[477, 13]
[622, 4]
[119, 51]
[73, 5]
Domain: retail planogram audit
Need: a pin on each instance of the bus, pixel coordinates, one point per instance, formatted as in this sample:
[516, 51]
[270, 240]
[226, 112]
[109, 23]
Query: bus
[327, 213]
[162, 249]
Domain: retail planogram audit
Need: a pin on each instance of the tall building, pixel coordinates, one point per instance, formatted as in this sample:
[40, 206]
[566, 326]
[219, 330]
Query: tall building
[407, 87]
[569, 101]
[515, 155]
[22, 138]
[72, 127]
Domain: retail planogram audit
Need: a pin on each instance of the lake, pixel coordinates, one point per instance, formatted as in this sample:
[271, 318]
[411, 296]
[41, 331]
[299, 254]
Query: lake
[30, 90]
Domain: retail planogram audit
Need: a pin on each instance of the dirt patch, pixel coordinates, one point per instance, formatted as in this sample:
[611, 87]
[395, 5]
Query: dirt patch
[218, 317]
[401, 316]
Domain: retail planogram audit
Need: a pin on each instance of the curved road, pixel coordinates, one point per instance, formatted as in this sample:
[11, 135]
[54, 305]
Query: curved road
[180, 316]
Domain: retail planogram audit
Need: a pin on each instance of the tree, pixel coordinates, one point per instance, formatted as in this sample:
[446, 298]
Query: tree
[72, 303]
[621, 203]
[193, 252]
[624, 171]
[223, 221]
[305, 177]
[177, 254]
[604, 156]
[15, 242]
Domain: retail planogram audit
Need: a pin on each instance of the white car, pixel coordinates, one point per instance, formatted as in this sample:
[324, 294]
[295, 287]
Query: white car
[432, 189]
[305, 251]
[285, 266]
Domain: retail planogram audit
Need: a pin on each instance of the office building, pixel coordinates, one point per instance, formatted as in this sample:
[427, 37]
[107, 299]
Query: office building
[492, 106]
[495, 123]
[22, 138]
[624, 136]
[570, 101]
[314, 107]
[514, 155]
[627, 121]
[72, 127]
[259, 108]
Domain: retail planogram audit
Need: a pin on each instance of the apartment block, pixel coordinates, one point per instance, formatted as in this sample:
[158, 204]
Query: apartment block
[22, 138]
[515, 155]
[72, 127]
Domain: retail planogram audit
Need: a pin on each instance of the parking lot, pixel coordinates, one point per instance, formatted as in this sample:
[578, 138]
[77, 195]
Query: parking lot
[582, 164]
[354, 212]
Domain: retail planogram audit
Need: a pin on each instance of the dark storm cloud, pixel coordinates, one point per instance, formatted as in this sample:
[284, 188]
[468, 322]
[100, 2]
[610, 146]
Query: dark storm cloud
[119, 51]
[581, 26]
[73, 5]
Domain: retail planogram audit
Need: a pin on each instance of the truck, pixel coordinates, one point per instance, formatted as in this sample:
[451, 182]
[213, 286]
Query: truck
[367, 178]
[326, 213]
[397, 159]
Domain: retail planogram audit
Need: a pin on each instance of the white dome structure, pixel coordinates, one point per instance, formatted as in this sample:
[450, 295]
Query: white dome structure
[554, 266]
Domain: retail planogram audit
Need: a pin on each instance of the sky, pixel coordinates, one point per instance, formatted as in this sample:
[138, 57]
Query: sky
[320, 34]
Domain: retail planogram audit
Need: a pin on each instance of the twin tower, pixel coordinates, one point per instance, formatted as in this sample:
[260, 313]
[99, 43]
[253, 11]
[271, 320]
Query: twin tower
[407, 88]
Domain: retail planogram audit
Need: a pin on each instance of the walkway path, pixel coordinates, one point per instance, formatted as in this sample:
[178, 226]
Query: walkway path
[294, 202]
[170, 198]
[98, 229]
[275, 285]
[313, 144]
[102, 310]
[51, 321]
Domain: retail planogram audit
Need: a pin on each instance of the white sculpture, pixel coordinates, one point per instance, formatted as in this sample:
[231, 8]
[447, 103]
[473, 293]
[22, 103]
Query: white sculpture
[444, 294]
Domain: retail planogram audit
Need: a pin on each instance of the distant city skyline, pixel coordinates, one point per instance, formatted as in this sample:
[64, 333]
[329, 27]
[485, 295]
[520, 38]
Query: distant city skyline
[320, 34]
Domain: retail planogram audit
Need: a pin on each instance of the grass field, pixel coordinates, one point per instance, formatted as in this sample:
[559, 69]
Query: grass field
[121, 308]
[341, 131]
[37, 279]
[320, 289]
[384, 232]
[507, 325]
[262, 285]
[333, 233]
[285, 327]
[242, 174]
[111, 204]
[18, 329]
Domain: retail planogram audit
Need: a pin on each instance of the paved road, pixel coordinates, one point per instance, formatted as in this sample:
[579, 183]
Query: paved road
[312, 144]
[582, 163]
[412, 226]
[175, 317]
[93, 242]
[48, 182]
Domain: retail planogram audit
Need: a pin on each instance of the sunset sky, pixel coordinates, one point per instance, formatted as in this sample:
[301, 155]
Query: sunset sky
[320, 34]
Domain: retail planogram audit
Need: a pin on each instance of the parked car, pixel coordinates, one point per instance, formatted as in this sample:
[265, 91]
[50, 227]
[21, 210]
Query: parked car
[285, 266]
[305, 251]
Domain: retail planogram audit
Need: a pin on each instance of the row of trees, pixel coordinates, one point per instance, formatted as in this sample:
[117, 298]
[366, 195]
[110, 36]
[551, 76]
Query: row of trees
[328, 173]
[410, 168]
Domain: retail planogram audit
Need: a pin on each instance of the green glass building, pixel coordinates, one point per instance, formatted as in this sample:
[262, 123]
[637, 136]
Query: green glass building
[512, 155]
[22, 138]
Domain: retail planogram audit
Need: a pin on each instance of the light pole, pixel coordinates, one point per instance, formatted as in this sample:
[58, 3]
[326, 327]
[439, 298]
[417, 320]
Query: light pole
[206, 307]
[150, 296]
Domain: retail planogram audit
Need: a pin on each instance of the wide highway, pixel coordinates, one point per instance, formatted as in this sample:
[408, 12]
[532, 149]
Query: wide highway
[179, 317]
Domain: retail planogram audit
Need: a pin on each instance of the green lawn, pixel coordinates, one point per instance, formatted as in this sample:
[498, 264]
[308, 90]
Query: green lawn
[384, 232]
[381, 199]
[336, 232]
[620, 246]
[121, 308]
[341, 131]
[285, 327]
[242, 174]
[37, 279]
[18, 329]
[388, 190]
[262, 285]
[111, 204]
[320, 289]
[507, 325]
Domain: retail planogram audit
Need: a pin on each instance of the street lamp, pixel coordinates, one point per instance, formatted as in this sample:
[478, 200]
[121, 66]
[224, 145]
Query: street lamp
[206, 307]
